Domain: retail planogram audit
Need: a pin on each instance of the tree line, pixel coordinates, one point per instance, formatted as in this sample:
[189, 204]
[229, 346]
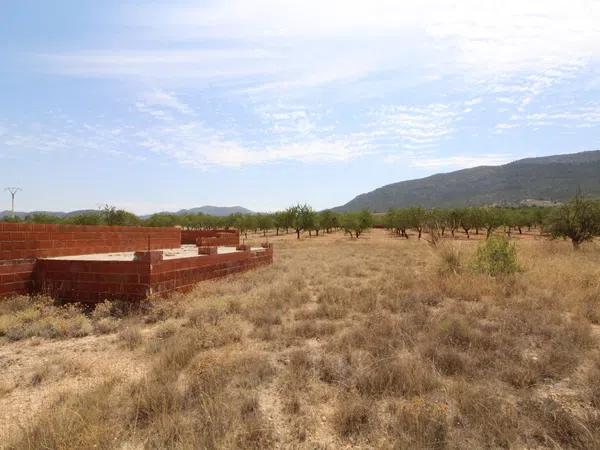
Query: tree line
[577, 220]
[300, 218]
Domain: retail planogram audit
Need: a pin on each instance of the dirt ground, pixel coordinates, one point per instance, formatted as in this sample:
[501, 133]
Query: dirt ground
[379, 342]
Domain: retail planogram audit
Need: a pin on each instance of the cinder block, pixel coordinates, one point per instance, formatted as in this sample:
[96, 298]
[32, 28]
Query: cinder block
[152, 256]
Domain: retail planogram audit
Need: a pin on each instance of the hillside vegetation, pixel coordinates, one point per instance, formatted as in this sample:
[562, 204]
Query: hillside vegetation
[553, 178]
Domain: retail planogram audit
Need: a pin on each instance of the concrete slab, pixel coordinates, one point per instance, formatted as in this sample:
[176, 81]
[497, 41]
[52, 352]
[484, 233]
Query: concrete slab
[185, 251]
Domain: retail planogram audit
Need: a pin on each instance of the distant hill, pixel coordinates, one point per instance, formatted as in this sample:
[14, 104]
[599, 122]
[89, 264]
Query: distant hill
[220, 211]
[211, 210]
[216, 210]
[549, 179]
[23, 214]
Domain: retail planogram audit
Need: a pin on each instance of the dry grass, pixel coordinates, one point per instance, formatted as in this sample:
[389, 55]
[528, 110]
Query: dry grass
[371, 343]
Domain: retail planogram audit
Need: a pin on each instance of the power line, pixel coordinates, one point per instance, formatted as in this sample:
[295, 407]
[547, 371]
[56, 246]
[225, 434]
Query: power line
[13, 191]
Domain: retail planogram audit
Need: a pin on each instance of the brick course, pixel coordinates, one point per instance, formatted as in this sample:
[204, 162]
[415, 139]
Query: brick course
[24, 270]
[21, 241]
[21, 244]
[95, 281]
[204, 238]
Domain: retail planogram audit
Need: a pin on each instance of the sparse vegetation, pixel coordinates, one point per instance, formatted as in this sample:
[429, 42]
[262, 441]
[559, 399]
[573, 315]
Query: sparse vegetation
[376, 342]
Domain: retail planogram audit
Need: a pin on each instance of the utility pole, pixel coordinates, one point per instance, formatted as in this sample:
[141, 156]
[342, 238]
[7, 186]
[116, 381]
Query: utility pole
[13, 191]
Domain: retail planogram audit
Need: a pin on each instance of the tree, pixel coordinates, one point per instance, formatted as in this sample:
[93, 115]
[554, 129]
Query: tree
[264, 222]
[314, 223]
[491, 219]
[245, 222]
[162, 220]
[453, 220]
[92, 218]
[43, 218]
[301, 217]
[578, 220]
[113, 216]
[398, 220]
[466, 220]
[279, 221]
[328, 220]
[356, 223]
[417, 216]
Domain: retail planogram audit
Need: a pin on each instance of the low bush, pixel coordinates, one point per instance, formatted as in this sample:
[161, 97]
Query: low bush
[496, 256]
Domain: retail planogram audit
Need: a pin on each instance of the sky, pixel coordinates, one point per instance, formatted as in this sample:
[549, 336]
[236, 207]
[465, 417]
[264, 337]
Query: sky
[163, 105]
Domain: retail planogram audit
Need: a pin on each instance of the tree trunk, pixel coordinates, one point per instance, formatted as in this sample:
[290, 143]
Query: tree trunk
[277, 234]
[419, 233]
[298, 234]
[575, 244]
[317, 233]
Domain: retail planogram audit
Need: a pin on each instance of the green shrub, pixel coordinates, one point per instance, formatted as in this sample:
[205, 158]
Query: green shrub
[496, 256]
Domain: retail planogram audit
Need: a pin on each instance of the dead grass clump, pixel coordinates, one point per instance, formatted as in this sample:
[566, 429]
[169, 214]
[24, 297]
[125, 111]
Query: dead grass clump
[402, 375]
[250, 370]
[334, 303]
[255, 432]
[420, 424]
[335, 369]
[42, 319]
[166, 329]
[88, 420]
[354, 417]
[457, 331]
[265, 317]
[57, 368]
[157, 310]
[380, 334]
[226, 331]
[562, 427]
[447, 360]
[589, 307]
[450, 260]
[486, 415]
[202, 316]
[308, 329]
[106, 325]
[18, 303]
[593, 381]
[131, 337]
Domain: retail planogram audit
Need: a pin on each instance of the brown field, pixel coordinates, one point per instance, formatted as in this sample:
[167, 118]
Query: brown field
[378, 342]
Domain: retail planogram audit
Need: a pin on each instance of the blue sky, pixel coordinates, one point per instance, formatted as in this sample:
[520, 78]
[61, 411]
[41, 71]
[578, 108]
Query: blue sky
[263, 103]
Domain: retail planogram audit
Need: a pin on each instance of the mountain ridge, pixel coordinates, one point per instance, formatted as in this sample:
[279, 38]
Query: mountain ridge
[547, 178]
[206, 209]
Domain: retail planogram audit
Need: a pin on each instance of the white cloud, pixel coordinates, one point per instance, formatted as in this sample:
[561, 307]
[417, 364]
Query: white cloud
[166, 99]
[413, 127]
[561, 116]
[197, 145]
[285, 45]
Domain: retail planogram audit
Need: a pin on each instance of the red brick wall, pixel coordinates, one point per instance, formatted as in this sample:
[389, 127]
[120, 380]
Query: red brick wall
[16, 277]
[182, 274]
[93, 281]
[96, 281]
[20, 241]
[210, 237]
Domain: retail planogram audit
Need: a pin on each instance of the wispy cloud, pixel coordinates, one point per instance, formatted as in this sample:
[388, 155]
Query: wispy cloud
[564, 116]
[413, 127]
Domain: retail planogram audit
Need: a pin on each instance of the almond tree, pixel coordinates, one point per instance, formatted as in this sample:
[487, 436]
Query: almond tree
[578, 220]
